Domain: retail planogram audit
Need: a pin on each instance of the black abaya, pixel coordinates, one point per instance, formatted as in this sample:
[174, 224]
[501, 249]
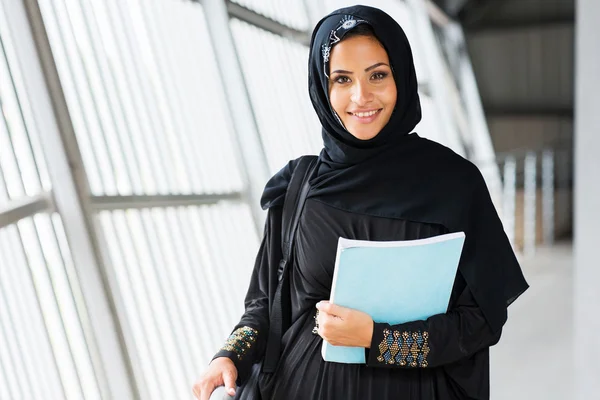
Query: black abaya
[458, 357]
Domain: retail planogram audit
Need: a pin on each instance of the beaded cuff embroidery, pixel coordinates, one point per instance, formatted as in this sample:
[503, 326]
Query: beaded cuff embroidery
[404, 348]
[240, 341]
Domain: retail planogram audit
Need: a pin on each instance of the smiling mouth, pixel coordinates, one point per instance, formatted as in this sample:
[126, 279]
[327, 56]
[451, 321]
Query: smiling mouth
[366, 114]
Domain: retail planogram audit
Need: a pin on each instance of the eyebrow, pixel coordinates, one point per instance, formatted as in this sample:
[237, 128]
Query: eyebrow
[341, 71]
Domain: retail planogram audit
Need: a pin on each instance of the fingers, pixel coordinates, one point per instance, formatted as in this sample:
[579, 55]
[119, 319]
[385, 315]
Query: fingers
[229, 380]
[326, 318]
[202, 390]
[221, 371]
[205, 391]
[326, 324]
[333, 309]
[205, 394]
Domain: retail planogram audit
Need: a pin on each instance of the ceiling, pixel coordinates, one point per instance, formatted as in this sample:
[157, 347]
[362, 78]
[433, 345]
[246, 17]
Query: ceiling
[522, 53]
[496, 14]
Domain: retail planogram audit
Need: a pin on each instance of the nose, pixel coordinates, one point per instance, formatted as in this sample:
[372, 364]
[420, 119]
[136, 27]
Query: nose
[361, 93]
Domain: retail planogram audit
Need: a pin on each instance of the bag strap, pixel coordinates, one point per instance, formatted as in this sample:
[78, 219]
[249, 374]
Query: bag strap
[295, 198]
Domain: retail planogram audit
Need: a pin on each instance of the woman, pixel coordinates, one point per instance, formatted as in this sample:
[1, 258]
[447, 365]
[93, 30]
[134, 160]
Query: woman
[375, 180]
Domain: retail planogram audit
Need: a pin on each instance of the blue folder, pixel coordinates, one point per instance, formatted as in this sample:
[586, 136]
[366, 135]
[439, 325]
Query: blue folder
[393, 282]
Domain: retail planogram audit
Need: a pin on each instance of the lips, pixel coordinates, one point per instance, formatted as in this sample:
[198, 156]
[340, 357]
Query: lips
[365, 117]
[365, 114]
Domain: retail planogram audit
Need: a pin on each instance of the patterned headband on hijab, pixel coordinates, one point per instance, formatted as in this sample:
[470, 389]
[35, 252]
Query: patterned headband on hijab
[347, 23]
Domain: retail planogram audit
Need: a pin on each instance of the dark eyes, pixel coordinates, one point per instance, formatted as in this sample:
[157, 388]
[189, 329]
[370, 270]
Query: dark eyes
[377, 76]
[341, 79]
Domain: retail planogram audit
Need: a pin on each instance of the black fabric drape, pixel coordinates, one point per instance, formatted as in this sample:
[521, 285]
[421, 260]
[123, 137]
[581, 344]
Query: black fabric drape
[401, 175]
[458, 360]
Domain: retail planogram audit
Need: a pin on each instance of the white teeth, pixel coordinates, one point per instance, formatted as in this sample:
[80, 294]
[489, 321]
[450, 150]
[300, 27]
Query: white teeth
[367, 114]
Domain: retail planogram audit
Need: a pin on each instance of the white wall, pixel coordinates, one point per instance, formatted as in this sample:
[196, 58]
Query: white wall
[587, 201]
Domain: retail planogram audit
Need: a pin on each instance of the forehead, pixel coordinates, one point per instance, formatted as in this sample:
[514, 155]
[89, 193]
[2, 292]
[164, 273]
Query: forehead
[359, 50]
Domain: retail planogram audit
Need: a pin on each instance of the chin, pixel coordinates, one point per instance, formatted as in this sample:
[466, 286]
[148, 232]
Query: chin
[364, 135]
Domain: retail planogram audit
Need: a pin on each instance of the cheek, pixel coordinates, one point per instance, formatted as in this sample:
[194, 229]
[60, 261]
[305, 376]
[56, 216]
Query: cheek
[338, 102]
[391, 96]
[388, 98]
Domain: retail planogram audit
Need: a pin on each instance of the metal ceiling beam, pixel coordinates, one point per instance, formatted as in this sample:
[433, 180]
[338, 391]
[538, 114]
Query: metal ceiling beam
[16, 210]
[437, 15]
[248, 143]
[104, 332]
[528, 111]
[521, 24]
[451, 7]
[474, 12]
[127, 202]
[244, 14]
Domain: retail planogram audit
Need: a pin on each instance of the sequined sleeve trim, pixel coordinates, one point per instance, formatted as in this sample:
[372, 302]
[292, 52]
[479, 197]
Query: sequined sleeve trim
[240, 341]
[405, 349]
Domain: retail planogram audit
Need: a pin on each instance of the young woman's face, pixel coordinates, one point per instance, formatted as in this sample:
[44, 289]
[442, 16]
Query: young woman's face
[362, 90]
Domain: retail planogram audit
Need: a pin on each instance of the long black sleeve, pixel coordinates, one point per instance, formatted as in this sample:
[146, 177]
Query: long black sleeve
[440, 340]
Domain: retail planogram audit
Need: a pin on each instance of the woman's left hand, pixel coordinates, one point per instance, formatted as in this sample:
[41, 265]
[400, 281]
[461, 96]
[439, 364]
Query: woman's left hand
[341, 326]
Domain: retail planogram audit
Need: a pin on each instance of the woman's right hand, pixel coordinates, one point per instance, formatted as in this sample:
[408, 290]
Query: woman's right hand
[221, 371]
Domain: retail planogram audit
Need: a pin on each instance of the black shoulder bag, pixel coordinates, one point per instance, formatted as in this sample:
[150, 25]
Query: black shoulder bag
[295, 198]
[279, 316]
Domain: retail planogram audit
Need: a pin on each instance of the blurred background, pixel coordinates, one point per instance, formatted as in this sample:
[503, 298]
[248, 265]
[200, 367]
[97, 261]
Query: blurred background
[136, 137]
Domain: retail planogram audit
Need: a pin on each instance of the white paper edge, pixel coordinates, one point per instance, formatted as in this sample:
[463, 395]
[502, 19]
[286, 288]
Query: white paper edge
[344, 243]
[335, 273]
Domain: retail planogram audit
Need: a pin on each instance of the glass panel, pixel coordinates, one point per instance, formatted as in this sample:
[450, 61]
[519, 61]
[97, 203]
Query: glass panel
[146, 101]
[21, 164]
[182, 273]
[43, 353]
[276, 73]
[429, 126]
[40, 320]
[290, 13]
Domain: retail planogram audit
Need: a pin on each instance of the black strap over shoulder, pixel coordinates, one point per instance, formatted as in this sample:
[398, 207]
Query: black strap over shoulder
[294, 203]
[295, 198]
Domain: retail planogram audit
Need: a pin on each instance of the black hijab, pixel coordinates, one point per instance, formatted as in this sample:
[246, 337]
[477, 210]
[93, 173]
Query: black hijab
[398, 174]
[341, 148]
